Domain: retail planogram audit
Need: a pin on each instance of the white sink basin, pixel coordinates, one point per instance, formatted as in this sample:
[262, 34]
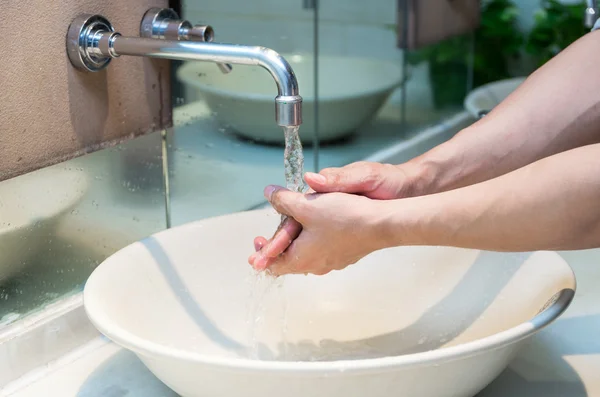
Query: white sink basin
[426, 321]
[30, 207]
[351, 91]
[483, 99]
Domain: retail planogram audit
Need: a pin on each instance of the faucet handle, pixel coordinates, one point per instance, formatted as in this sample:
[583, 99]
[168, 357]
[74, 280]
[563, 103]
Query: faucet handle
[199, 33]
[590, 17]
[164, 23]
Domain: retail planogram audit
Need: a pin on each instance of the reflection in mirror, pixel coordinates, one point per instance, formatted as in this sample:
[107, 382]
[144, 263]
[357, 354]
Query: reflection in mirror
[226, 145]
[58, 223]
[367, 31]
[360, 94]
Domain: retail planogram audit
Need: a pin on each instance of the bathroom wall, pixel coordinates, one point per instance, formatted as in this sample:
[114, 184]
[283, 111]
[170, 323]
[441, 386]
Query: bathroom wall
[345, 27]
[57, 222]
[528, 9]
[351, 28]
[215, 171]
[56, 225]
[51, 112]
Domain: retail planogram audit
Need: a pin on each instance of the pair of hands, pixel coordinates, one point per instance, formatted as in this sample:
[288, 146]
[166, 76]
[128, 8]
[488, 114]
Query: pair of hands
[329, 227]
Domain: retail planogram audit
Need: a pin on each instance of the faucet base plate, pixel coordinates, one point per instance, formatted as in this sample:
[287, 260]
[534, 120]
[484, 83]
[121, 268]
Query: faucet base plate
[155, 23]
[81, 43]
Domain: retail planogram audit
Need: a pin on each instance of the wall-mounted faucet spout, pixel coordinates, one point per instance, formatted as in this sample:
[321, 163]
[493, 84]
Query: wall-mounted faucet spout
[591, 13]
[92, 43]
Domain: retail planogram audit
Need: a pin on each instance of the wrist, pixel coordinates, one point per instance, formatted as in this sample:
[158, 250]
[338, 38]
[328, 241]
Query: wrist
[393, 223]
[440, 169]
[418, 220]
[420, 177]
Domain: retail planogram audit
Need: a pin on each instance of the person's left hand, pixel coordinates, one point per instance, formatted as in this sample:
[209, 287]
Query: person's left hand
[373, 180]
[338, 229]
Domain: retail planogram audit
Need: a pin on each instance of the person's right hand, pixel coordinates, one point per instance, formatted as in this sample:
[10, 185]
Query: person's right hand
[372, 180]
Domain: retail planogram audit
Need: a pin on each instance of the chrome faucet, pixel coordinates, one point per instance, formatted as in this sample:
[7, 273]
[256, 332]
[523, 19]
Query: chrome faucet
[591, 13]
[92, 43]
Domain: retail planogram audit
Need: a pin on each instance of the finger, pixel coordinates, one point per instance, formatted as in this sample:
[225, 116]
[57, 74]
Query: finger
[261, 262]
[283, 238]
[259, 243]
[355, 178]
[284, 201]
[252, 259]
[295, 260]
[282, 265]
[264, 262]
[316, 182]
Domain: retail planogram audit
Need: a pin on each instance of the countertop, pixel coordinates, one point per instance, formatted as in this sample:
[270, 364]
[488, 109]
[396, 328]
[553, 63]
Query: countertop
[213, 172]
[562, 360]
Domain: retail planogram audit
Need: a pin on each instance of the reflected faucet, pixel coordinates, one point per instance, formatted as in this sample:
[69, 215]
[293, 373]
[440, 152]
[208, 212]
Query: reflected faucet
[591, 13]
[92, 43]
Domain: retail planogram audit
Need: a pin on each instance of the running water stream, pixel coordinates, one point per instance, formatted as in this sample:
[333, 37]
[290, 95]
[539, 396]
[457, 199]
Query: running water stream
[293, 160]
[294, 169]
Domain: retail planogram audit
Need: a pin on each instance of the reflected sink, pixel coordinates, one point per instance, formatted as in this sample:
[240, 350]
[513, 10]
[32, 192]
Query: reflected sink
[351, 91]
[427, 321]
[31, 206]
[483, 99]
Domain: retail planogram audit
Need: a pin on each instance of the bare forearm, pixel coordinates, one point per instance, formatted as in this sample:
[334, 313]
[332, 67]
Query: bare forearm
[553, 204]
[556, 109]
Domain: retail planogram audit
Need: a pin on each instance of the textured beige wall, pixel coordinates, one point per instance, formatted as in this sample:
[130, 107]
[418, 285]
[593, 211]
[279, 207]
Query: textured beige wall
[431, 21]
[50, 112]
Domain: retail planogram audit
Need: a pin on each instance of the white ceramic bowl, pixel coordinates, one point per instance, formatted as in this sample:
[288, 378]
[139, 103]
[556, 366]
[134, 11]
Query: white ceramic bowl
[351, 91]
[426, 321]
[483, 99]
[30, 207]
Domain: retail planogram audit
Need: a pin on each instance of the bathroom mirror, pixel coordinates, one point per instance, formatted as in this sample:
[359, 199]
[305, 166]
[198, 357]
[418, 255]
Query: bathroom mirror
[360, 96]
[58, 223]
[218, 161]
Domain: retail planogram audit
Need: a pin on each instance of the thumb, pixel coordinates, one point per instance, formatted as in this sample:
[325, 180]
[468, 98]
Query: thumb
[283, 201]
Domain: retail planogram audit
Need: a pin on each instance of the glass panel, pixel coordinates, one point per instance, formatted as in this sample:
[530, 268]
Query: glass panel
[443, 73]
[549, 27]
[515, 38]
[226, 146]
[58, 223]
[370, 96]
